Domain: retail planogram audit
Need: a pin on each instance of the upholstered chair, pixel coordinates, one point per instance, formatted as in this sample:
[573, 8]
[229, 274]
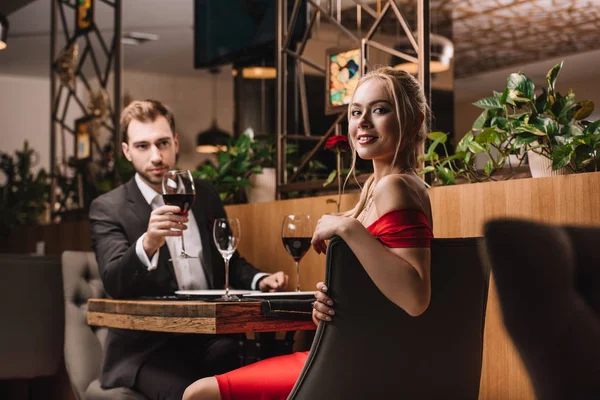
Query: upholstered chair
[548, 282]
[84, 343]
[31, 306]
[374, 350]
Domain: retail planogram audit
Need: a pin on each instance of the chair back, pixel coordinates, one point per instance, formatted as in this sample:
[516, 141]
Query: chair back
[548, 283]
[83, 343]
[31, 336]
[374, 350]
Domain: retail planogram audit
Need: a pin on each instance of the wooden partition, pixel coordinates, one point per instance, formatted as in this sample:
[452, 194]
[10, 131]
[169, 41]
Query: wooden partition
[458, 211]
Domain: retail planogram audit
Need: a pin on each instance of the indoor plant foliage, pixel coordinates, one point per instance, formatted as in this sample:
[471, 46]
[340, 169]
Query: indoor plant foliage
[515, 121]
[242, 158]
[23, 194]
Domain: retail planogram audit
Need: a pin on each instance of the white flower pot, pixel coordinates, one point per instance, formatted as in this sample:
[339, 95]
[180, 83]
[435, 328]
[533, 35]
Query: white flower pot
[263, 186]
[541, 166]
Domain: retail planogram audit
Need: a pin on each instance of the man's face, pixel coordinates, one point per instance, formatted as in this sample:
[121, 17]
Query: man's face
[152, 149]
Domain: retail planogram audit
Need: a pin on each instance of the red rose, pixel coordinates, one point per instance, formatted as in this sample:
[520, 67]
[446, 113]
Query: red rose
[337, 143]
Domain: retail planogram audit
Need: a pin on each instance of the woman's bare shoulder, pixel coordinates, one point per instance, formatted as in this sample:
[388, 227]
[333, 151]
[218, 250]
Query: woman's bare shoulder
[397, 191]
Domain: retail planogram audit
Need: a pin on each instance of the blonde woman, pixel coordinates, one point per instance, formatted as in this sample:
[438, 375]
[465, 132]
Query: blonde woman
[389, 230]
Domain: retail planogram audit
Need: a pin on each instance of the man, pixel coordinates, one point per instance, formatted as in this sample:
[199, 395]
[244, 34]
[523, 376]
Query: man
[136, 239]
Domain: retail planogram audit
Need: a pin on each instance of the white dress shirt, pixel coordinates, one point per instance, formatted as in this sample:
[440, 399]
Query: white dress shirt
[188, 271]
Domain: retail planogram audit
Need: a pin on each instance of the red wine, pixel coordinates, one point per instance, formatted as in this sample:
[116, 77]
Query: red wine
[296, 247]
[183, 201]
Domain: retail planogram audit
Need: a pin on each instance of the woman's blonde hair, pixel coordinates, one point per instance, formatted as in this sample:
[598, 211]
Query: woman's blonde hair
[411, 109]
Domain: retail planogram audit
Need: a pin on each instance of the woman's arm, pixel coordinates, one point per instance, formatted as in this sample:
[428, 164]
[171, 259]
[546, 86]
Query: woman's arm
[402, 274]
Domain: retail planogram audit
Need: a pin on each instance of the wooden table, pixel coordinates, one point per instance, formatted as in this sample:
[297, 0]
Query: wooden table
[187, 316]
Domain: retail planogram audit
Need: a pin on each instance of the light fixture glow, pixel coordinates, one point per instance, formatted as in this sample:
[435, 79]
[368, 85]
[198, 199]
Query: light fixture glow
[259, 72]
[442, 51]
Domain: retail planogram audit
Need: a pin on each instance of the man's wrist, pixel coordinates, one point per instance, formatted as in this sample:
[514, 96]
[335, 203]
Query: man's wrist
[148, 248]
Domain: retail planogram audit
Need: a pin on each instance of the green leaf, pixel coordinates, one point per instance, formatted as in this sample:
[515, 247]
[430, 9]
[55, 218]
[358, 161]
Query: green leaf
[487, 137]
[488, 103]
[541, 102]
[489, 167]
[547, 125]
[446, 176]
[551, 77]
[499, 122]
[524, 139]
[504, 96]
[436, 135]
[562, 106]
[330, 178]
[475, 147]
[426, 170]
[592, 128]
[521, 83]
[480, 121]
[529, 128]
[561, 156]
[572, 130]
[584, 109]
[435, 143]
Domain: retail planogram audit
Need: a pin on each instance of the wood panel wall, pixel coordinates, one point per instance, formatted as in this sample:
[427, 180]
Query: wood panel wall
[458, 211]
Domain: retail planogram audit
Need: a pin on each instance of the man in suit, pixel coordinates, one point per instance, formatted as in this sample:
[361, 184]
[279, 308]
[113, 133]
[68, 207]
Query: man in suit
[136, 238]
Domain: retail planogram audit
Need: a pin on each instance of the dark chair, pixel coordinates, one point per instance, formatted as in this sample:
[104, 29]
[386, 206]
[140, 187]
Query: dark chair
[84, 343]
[374, 350]
[31, 335]
[548, 282]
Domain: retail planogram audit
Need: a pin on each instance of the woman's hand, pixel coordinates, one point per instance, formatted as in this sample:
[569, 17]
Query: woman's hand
[322, 310]
[327, 227]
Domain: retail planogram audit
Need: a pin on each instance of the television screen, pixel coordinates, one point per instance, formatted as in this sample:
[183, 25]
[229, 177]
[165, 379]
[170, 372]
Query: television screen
[238, 31]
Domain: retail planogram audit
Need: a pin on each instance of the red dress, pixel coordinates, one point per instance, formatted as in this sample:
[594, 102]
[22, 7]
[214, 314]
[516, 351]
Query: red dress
[274, 378]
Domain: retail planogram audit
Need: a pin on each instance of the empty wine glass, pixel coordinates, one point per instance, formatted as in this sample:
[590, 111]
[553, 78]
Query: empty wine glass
[227, 233]
[296, 234]
[178, 190]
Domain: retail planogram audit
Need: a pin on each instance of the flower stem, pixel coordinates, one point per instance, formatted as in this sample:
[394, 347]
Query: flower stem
[339, 178]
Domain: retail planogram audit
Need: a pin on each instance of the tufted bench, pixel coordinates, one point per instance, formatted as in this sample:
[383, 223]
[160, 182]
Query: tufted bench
[84, 343]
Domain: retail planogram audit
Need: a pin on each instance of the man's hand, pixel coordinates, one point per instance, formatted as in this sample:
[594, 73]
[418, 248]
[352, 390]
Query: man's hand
[164, 221]
[276, 282]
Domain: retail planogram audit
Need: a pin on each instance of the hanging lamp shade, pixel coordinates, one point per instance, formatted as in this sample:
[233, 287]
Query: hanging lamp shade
[212, 140]
[3, 31]
[442, 51]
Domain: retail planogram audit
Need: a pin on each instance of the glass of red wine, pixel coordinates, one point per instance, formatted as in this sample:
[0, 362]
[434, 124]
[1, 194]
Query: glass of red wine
[296, 234]
[178, 190]
[227, 234]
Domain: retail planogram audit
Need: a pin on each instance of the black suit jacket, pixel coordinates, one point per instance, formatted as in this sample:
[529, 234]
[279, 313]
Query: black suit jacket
[118, 219]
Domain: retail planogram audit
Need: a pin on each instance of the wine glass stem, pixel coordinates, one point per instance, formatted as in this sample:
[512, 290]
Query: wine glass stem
[182, 244]
[297, 276]
[226, 259]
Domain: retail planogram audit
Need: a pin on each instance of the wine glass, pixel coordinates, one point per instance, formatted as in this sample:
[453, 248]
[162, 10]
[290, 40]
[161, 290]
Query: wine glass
[227, 233]
[296, 234]
[178, 190]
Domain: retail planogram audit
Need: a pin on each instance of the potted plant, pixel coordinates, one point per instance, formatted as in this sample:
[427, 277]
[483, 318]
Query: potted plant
[236, 165]
[517, 121]
[23, 194]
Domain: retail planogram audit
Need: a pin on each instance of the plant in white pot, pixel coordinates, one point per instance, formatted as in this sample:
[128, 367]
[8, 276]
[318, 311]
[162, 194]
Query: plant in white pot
[234, 176]
[550, 127]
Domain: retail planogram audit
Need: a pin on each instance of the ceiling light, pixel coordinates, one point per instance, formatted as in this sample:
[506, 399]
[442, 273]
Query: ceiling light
[442, 51]
[135, 38]
[3, 31]
[259, 72]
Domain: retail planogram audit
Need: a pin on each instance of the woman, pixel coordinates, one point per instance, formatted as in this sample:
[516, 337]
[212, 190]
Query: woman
[388, 230]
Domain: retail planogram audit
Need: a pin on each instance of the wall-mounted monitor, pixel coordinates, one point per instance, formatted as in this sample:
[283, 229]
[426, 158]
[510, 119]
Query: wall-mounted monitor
[242, 32]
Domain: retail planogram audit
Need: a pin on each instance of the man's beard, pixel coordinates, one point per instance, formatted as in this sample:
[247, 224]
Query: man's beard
[151, 178]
